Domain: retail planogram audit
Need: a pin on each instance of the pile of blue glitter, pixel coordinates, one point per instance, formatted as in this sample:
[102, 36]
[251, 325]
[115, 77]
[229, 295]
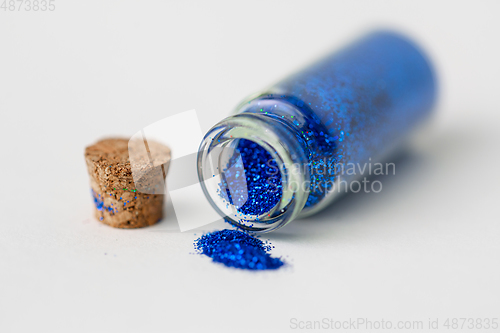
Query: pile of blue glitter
[238, 249]
[251, 183]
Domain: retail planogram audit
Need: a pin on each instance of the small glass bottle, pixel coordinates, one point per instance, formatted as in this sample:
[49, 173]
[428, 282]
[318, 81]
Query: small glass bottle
[353, 107]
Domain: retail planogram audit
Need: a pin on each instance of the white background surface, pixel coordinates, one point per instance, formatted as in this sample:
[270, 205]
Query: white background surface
[426, 247]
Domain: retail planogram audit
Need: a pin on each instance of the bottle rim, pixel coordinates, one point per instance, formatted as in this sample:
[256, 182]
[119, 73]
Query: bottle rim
[280, 141]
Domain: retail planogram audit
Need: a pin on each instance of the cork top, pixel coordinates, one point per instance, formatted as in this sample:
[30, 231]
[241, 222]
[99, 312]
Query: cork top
[112, 150]
[136, 163]
[116, 151]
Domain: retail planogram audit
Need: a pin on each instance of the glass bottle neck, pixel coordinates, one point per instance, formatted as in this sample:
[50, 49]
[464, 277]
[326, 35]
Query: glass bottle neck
[287, 149]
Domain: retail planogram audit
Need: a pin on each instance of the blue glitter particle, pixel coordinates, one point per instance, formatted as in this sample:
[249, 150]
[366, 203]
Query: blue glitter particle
[235, 248]
[260, 189]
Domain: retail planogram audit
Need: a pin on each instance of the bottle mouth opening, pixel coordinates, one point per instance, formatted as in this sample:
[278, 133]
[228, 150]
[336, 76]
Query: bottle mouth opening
[249, 170]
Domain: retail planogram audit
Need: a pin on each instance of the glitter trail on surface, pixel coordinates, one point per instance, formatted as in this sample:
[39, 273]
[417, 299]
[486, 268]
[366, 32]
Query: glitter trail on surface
[235, 248]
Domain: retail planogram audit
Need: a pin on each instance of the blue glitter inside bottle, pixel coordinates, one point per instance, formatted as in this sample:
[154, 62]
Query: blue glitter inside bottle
[278, 156]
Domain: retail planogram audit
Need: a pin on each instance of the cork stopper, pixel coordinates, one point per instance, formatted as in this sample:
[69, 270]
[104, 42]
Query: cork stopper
[119, 201]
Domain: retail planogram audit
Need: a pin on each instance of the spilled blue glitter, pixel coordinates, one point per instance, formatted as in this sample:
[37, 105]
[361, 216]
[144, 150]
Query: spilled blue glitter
[99, 203]
[235, 248]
